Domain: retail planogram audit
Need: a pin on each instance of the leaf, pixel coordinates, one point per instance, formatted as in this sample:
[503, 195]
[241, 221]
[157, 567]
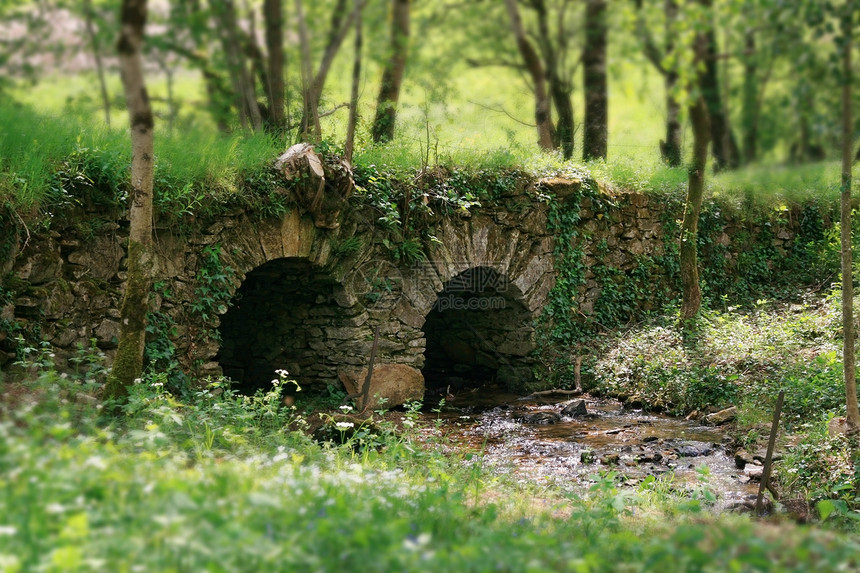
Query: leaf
[825, 508]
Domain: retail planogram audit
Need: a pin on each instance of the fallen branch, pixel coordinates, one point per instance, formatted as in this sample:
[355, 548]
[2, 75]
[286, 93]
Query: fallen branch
[553, 392]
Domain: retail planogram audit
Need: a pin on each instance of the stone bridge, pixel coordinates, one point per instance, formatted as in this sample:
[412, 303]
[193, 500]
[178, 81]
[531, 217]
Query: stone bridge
[463, 314]
[244, 296]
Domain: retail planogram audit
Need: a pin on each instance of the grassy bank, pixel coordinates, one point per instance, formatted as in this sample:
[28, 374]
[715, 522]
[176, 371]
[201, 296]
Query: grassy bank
[51, 160]
[219, 484]
[744, 357]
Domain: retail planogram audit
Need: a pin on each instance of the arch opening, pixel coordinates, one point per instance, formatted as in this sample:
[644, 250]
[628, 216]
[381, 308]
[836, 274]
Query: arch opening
[288, 314]
[478, 332]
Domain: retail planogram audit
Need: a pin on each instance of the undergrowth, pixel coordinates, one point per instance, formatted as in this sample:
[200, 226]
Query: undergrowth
[221, 483]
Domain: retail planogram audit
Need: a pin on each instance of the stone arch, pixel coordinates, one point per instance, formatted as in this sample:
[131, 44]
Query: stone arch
[478, 330]
[290, 313]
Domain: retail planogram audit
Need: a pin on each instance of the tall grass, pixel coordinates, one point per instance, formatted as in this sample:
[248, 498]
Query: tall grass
[216, 484]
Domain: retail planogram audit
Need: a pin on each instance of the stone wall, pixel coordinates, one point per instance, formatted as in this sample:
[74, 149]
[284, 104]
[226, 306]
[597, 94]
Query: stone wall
[308, 300]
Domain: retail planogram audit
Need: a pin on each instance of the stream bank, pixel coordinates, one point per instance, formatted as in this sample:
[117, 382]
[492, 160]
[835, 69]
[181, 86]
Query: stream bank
[533, 441]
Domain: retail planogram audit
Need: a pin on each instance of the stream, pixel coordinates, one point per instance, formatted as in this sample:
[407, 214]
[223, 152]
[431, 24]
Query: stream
[530, 439]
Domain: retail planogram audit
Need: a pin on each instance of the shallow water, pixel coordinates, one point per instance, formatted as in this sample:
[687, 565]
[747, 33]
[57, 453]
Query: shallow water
[631, 443]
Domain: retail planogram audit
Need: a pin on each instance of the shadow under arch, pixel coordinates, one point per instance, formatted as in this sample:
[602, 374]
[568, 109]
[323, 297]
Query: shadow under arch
[478, 331]
[290, 314]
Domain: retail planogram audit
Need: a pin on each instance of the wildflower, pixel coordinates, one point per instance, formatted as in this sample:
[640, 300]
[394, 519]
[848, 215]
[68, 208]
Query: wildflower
[282, 373]
[413, 543]
[346, 409]
[157, 384]
[54, 508]
[7, 530]
[344, 425]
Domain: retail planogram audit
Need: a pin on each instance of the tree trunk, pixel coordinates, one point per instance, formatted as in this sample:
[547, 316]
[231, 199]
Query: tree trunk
[243, 86]
[670, 148]
[310, 128]
[97, 54]
[594, 81]
[691, 291]
[276, 87]
[392, 75]
[128, 363]
[535, 69]
[559, 90]
[750, 99]
[725, 148]
[349, 146]
[565, 128]
[853, 415]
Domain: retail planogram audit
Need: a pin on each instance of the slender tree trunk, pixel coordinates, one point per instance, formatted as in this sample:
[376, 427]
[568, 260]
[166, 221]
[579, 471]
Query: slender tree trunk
[128, 363]
[276, 87]
[310, 129]
[356, 79]
[565, 128]
[392, 75]
[725, 148]
[670, 148]
[243, 86]
[535, 69]
[853, 415]
[691, 291]
[97, 54]
[594, 81]
[750, 99]
[560, 91]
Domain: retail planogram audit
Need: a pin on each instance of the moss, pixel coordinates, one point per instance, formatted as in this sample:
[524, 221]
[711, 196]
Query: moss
[128, 363]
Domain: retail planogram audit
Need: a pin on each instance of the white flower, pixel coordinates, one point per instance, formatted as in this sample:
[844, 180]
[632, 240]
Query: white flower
[54, 508]
[346, 408]
[282, 373]
[415, 543]
[344, 425]
[8, 530]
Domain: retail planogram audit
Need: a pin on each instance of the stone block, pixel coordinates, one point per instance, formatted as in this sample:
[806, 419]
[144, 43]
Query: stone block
[396, 383]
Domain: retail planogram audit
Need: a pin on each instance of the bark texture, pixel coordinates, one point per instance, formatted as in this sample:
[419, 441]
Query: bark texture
[275, 47]
[128, 364]
[392, 75]
[691, 291]
[240, 78]
[349, 146]
[310, 128]
[97, 54]
[725, 147]
[849, 372]
[535, 69]
[594, 82]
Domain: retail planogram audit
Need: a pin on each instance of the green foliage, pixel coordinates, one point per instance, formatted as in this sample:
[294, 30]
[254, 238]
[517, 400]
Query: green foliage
[214, 282]
[160, 351]
[217, 482]
[824, 470]
[733, 357]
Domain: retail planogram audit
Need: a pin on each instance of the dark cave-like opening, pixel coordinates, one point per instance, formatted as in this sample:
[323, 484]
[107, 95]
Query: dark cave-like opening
[478, 332]
[285, 315]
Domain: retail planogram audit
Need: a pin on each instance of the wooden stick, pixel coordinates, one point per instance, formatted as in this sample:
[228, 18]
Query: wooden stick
[765, 476]
[365, 388]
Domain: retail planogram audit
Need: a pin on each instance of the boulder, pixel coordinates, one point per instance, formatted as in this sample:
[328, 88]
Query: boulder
[540, 418]
[722, 416]
[390, 385]
[575, 409]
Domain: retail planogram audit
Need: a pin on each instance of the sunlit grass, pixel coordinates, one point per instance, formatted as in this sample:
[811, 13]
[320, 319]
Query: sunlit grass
[216, 484]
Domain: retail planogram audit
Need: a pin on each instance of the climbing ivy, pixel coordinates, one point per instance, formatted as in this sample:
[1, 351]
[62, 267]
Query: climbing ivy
[160, 351]
[213, 293]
